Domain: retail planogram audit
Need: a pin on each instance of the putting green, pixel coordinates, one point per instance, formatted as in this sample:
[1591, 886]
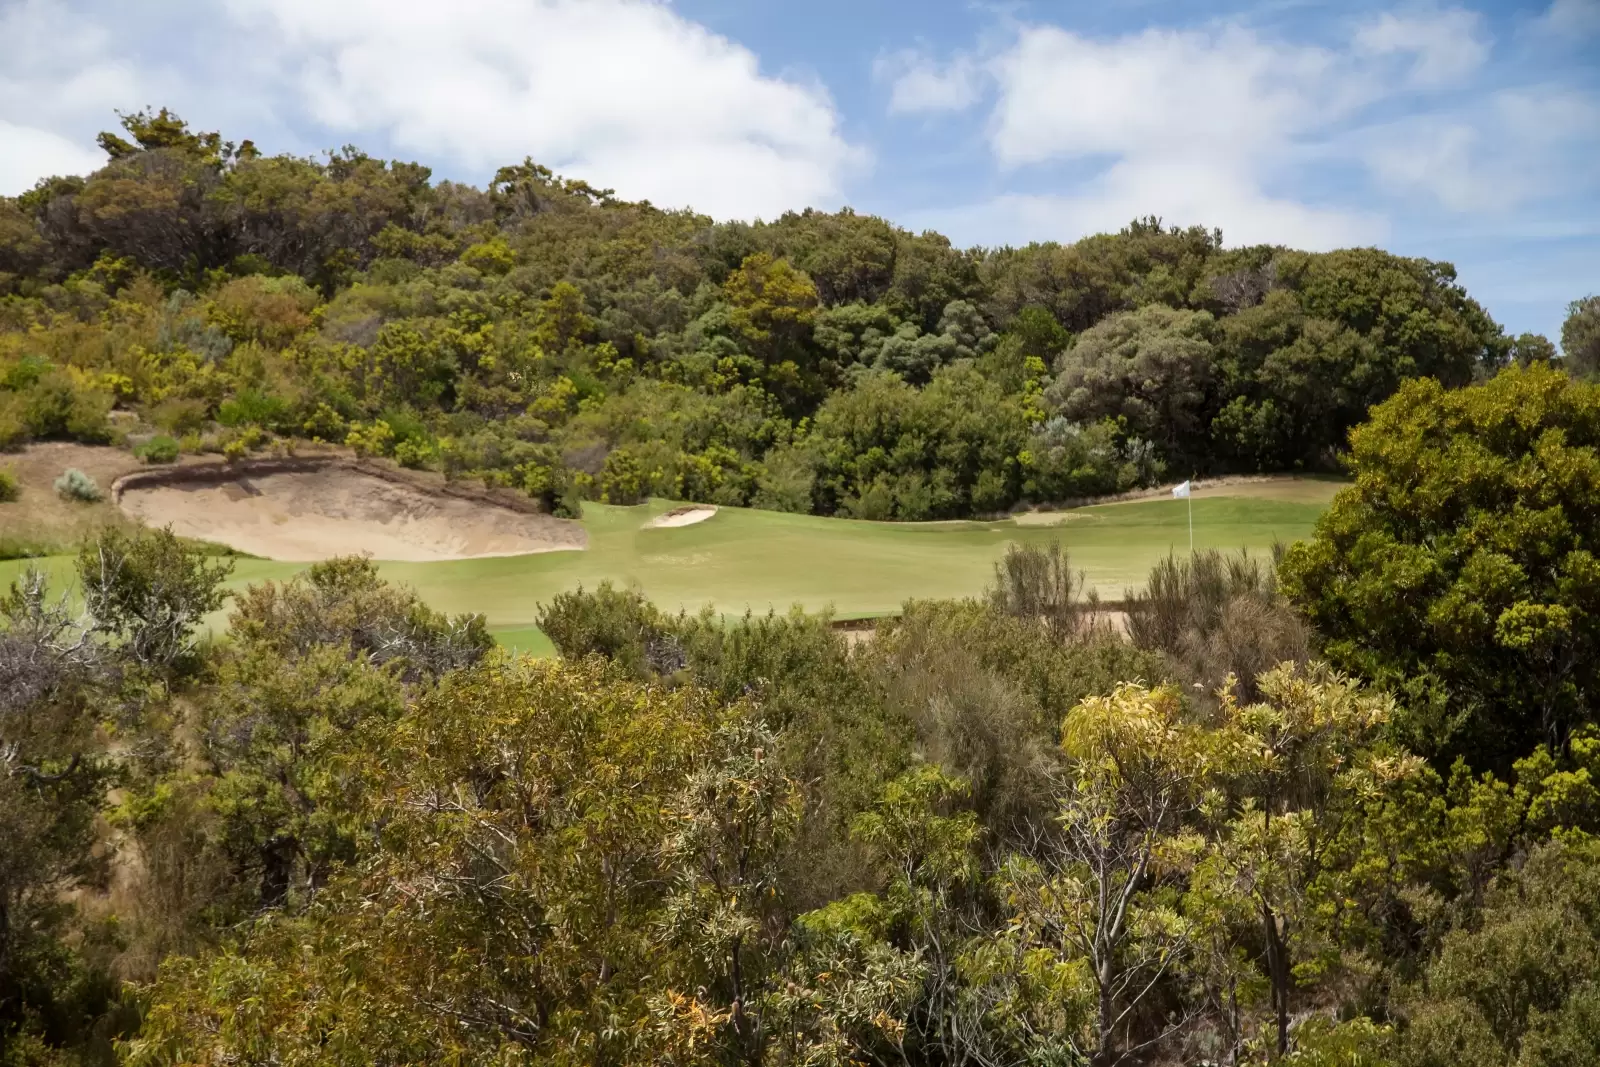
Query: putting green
[744, 559]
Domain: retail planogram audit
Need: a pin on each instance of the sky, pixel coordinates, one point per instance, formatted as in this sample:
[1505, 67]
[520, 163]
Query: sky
[1462, 133]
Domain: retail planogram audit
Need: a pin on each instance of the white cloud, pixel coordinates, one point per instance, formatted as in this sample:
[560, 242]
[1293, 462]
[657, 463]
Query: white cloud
[28, 154]
[1492, 154]
[1204, 193]
[1226, 127]
[622, 93]
[1446, 46]
[1159, 93]
[1439, 160]
[1192, 126]
[1571, 20]
[919, 84]
[57, 76]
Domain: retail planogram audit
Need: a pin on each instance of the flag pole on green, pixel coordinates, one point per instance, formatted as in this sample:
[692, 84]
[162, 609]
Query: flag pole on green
[1185, 491]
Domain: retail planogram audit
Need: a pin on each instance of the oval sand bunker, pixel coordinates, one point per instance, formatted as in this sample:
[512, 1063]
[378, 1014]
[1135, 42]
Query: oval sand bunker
[335, 510]
[682, 517]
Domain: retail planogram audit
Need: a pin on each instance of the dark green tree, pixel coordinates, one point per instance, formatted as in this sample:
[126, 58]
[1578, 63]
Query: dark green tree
[1580, 337]
[1459, 569]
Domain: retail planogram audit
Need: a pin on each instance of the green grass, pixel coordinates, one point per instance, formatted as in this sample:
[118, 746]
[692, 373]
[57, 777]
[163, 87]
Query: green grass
[743, 559]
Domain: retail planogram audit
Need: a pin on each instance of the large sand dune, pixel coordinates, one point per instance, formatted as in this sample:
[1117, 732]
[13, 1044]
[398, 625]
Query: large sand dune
[302, 512]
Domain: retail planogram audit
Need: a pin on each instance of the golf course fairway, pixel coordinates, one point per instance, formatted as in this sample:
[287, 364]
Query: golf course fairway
[743, 559]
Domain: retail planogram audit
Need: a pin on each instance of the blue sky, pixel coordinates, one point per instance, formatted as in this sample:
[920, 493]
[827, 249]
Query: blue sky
[1465, 132]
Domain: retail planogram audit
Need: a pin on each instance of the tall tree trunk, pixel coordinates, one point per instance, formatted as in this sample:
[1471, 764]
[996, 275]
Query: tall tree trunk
[1278, 972]
[1107, 1012]
[277, 868]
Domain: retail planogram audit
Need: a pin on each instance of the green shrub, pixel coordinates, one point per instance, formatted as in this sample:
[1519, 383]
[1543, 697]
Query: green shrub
[179, 416]
[619, 624]
[56, 407]
[9, 490]
[161, 449]
[76, 485]
[254, 408]
[13, 430]
[25, 546]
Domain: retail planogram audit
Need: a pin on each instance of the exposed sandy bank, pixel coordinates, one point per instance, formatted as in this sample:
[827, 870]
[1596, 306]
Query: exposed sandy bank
[304, 511]
[682, 517]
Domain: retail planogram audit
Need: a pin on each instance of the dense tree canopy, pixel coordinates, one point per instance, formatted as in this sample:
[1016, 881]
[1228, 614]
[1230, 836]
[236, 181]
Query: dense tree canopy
[545, 335]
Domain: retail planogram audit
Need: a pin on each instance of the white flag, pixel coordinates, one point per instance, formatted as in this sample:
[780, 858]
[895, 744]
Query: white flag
[1181, 491]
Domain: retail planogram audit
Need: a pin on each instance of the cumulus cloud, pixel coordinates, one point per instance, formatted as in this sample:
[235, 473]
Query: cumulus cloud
[57, 73]
[919, 84]
[1191, 126]
[1266, 138]
[1445, 46]
[1206, 193]
[1160, 92]
[1571, 20]
[624, 93]
[28, 154]
[1491, 154]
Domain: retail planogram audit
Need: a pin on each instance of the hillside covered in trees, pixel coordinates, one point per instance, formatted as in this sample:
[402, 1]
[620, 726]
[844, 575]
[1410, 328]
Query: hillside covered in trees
[544, 335]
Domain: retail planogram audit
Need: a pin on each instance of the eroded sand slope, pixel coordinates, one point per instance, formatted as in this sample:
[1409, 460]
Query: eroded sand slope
[311, 515]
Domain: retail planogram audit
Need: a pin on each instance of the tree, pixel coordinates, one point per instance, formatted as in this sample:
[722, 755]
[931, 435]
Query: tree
[1096, 885]
[732, 819]
[1458, 569]
[886, 450]
[1151, 367]
[1580, 338]
[1530, 348]
[1417, 319]
[510, 896]
[773, 306]
[148, 592]
[53, 777]
[1295, 384]
[1518, 986]
[1297, 760]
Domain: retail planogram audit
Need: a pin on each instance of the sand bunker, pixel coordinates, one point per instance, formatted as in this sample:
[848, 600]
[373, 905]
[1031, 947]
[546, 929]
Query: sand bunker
[682, 517]
[312, 514]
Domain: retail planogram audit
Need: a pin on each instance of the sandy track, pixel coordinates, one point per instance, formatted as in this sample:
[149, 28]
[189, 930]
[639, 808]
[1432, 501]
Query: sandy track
[306, 515]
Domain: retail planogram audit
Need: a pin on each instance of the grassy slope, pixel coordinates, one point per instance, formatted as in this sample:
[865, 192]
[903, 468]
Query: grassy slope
[743, 559]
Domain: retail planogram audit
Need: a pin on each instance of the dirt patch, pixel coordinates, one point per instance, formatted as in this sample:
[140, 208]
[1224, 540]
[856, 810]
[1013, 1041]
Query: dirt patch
[310, 508]
[686, 516]
[39, 515]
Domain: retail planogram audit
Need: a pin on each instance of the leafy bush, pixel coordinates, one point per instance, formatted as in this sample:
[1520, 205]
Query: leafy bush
[618, 624]
[59, 407]
[76, 485]
[9, 490]
[254, 408]
[161, 449]
[179, 416]
[1459, 569]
